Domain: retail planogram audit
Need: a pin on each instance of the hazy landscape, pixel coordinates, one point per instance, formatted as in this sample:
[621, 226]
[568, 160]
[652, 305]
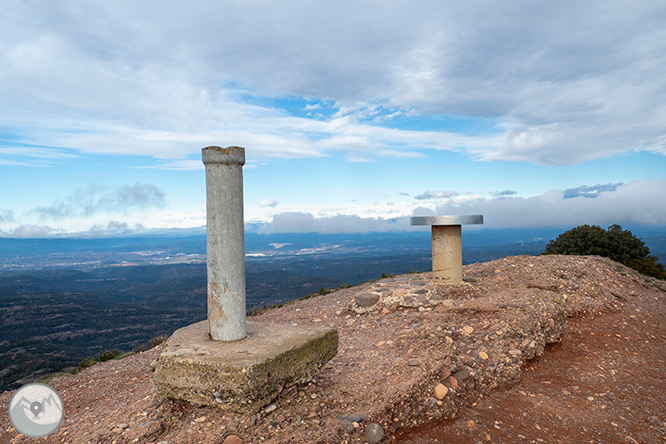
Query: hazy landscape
[62, 300]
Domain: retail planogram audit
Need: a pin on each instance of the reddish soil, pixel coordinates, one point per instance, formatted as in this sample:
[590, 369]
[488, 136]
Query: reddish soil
[484, 344]
[604, 383]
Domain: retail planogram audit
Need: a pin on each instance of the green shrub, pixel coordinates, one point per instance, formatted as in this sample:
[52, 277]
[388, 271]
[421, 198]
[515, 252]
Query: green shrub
[88, 362]
[107, 355]
[614, 243]
[157, 340]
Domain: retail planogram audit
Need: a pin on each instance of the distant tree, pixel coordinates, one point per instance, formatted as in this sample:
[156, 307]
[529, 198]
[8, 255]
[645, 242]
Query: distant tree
[614, 243]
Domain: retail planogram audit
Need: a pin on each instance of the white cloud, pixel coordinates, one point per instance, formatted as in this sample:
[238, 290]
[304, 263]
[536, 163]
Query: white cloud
[96, 199]
[503, 193]
[436, 195]
[566, 82]
[28, 231]
[307, 223]
[268, 203]
[639, 202]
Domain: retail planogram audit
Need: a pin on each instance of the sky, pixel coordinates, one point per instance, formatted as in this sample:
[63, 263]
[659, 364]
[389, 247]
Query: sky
[354, 115]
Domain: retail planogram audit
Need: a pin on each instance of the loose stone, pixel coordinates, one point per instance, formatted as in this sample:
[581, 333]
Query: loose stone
[461, 375]
[347, 425]
[351, 418]
[483, 355]
[270, 408]
[232, 439]
[367, 299]
[440, 391]
[374, 433]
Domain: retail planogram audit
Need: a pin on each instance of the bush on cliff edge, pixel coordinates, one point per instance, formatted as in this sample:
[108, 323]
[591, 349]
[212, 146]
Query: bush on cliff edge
[614, 243]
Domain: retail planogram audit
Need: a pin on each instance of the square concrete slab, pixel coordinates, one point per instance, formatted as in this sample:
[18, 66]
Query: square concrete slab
[245, 375]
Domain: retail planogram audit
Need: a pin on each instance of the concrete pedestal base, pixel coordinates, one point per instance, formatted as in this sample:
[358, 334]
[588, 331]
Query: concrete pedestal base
[446, 254]
[245, 375]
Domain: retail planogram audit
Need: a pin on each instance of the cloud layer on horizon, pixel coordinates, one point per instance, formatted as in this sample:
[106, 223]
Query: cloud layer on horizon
[640, 202]
[555, 83]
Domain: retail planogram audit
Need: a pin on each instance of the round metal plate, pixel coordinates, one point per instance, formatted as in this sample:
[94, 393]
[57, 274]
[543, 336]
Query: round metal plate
[446, 220]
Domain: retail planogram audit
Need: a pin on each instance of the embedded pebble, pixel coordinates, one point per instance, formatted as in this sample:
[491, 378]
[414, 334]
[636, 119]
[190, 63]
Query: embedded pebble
[374, 433]
[440, 391]
[351, 418]
[347, 425]
[461, 375]
[367, 299]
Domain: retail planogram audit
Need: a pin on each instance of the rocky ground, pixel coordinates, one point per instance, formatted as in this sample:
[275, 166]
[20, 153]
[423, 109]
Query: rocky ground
[412, 354]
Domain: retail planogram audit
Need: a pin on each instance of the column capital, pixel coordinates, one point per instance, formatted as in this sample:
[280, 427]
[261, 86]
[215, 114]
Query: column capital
[212, 155]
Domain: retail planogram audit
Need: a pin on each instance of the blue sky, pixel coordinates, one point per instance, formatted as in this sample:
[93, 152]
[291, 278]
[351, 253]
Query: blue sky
[354, 116]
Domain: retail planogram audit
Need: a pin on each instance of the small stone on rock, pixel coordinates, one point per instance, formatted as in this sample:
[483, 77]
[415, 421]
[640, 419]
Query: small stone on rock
[347, 425]
[461, 375]
[440, 391]
[374, 433]
[351, 418]
[367, 299]
[232, 439]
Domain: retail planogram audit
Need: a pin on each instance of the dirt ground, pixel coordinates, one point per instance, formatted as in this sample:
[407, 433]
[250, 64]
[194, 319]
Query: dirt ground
[530, 349]
[604, 383]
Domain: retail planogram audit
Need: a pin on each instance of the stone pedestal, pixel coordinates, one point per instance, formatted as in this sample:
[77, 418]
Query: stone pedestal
[447, 253]
[446, 245]
[241, 376]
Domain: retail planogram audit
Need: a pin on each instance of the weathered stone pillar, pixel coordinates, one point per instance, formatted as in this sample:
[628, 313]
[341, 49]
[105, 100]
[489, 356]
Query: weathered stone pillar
[225, 362]
[446, 245]
[225, 242]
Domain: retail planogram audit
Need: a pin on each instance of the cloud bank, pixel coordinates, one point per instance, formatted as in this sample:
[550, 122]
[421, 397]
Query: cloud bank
[640, 202]
[551, 83]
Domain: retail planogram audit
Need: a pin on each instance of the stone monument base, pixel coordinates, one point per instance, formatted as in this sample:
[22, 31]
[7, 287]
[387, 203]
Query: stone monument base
[245, 375]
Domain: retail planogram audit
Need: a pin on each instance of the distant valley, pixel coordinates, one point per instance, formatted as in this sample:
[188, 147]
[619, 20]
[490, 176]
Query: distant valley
[62, 300]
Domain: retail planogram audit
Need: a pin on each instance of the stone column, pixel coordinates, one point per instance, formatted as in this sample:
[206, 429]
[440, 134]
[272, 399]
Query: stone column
[446, 245]
[446, 253]
[225, 242]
